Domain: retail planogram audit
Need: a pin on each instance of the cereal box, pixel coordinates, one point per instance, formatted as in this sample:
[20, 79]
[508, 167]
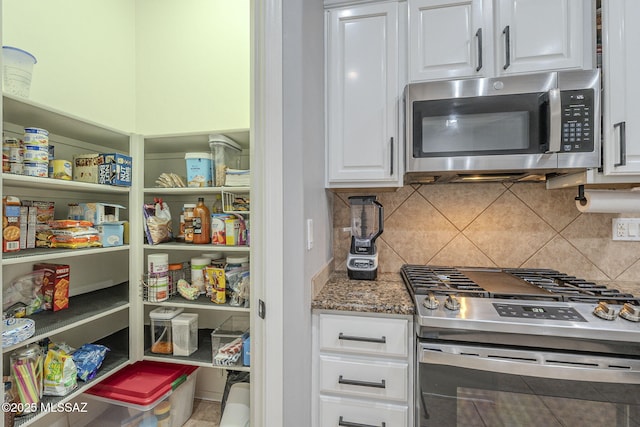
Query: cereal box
[115, 169]
[55, 286]
[10, 224]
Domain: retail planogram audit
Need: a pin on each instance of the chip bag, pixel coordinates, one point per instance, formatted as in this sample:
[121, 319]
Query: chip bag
[60, 374]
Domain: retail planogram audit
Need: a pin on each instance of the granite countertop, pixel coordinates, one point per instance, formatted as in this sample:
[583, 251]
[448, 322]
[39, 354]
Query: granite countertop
[387, 294]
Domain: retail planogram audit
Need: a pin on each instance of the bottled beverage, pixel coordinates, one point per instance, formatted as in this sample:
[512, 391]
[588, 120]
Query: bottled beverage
[217, 204]
[201, 223]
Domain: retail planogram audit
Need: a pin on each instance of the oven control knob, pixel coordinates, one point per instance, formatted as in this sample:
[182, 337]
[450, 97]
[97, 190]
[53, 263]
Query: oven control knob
[630, 312]
[430, 302]
[605, 312]
[452, 303]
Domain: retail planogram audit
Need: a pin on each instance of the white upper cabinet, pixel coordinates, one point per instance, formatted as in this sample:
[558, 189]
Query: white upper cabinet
[621, 63]
[362, 96]
[448, 39]
[540, 35]
[451, 39]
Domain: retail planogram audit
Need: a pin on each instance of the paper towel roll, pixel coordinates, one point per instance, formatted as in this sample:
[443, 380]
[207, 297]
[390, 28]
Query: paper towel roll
[610, 201]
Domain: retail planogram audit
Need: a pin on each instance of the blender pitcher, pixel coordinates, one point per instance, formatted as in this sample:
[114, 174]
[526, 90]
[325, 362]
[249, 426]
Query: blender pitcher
[366, 225]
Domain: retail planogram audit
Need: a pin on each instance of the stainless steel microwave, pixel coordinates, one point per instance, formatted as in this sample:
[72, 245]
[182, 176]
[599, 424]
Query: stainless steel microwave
[509, 127]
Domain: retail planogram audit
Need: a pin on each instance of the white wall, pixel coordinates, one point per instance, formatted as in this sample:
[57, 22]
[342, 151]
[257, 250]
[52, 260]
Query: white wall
[303, 144]
[145, 66]
[192, 65]
[85, 53]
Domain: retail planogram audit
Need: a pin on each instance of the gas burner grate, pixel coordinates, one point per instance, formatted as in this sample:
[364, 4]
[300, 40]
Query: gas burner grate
[423, 280]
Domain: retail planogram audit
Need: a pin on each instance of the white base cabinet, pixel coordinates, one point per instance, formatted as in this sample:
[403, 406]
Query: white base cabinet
[362, 369]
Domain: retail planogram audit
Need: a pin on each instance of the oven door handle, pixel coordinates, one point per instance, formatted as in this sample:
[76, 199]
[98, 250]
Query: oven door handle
[534, 363]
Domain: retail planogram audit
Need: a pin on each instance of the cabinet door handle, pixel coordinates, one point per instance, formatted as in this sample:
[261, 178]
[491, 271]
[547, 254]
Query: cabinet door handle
[343, 423]
[391, 157]
[507, 47]
[479, 36]
[381, 384]
[623, 143]
[380, 340]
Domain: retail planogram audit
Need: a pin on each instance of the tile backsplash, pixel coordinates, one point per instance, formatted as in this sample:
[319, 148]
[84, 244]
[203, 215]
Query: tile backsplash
[492, 225]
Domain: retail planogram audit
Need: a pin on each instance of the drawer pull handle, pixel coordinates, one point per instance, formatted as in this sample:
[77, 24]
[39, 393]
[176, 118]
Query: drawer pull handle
[343, 423]
[381, 384]
[381, 340]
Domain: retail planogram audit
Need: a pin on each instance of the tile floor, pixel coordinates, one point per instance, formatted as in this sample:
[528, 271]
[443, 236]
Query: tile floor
[206, 413]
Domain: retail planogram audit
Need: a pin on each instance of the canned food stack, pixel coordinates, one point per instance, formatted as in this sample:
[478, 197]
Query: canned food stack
[36, 152]
[11, 156]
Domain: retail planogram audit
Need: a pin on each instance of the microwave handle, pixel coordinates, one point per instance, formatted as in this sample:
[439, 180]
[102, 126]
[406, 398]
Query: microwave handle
[555, 121]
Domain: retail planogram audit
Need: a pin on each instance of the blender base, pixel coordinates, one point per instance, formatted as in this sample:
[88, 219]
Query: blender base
[362, 274]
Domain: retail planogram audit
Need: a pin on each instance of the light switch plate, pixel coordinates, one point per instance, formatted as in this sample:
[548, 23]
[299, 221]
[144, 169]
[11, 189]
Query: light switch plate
[626, 229]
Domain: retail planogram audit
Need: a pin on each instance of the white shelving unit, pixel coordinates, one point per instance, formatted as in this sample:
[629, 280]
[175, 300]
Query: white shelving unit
[100, 304]
[166, 153]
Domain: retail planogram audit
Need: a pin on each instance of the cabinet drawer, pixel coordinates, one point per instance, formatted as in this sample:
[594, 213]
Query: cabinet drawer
[364, 378]
[366, 335]
[346, 412]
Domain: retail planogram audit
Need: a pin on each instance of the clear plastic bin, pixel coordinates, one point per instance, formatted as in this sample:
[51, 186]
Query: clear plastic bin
[227, 339]
[224, 154]
[128, 398]
[185, 334]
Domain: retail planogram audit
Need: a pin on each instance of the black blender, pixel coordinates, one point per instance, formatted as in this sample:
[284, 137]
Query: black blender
[366, 226]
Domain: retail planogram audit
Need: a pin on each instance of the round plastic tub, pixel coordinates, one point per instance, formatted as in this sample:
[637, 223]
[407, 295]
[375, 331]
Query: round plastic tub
[17, 72]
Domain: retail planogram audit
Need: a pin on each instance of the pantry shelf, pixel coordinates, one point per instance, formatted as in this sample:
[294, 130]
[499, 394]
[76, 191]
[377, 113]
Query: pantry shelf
[46, 254]
[82, 309]
[202, 302]
[197, 248]
[114, 360]
[24, 181]
[203, 356]
[194, 190]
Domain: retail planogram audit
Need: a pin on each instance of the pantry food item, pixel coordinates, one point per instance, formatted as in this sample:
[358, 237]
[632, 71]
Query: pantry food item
[85, 167]
[198, 169]
[55, 285]
[60, 169]
[115, 169]
[10, 224]
[60, 373]
[201, 223]
[88, 360]
[169, 180]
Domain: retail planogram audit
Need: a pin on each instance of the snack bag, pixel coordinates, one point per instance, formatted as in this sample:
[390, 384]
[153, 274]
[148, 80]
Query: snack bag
[60, 374]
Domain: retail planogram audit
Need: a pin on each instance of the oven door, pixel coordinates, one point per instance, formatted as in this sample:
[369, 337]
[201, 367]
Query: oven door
[464, 385]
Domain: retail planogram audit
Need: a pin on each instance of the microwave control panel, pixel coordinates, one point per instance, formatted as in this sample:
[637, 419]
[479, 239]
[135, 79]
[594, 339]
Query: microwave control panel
[577, 121]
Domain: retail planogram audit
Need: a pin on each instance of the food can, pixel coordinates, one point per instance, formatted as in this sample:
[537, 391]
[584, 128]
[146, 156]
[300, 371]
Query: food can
[36, 169]
[60, 169]
[36, 154]
[36, 136]
[16, 168]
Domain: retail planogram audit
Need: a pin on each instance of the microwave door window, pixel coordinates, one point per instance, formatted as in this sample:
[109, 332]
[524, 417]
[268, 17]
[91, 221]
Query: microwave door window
[476, 134]
[481, 126]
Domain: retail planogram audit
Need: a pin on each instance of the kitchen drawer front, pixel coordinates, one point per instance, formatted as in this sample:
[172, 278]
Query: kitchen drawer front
[366, 335]
[364, 378]
[346, 412]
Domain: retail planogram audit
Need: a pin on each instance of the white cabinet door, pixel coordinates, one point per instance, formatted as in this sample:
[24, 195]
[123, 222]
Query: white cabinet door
[448, 40]
[621, 62]
[540, 35]
[362, 96]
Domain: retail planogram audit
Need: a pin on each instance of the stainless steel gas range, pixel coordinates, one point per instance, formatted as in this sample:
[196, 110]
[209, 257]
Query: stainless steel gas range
[523, 347]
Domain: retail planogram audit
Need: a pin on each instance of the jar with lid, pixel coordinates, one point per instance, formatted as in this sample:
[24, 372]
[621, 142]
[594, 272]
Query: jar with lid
[27, 372]
[201, 223]
[187, 210]
[176, 272]
[163, 414]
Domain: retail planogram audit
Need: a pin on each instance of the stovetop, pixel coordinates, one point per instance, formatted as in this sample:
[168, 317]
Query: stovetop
[509, 283]
[540, 302]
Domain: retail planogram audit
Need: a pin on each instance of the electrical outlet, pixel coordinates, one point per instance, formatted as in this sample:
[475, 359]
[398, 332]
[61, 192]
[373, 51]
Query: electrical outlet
[626, 229]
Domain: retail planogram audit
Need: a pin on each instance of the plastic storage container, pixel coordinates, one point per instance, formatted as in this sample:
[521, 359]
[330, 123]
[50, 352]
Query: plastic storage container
[133, 393]
[226, 341]
[161, 329]
[224, 154]
[17, 71]
[185, 334]
[198, 169]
